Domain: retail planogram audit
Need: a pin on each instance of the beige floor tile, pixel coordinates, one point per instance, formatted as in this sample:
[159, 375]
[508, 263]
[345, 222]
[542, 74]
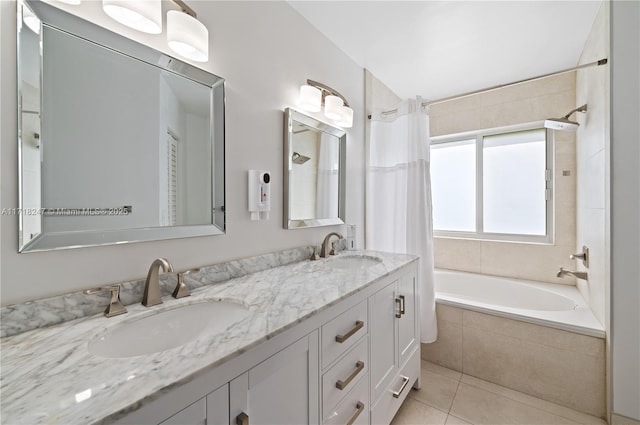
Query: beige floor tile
[437, 391]
[413, 412]
[547, 406]
[452, 420]
[440, 370]
[479, 407]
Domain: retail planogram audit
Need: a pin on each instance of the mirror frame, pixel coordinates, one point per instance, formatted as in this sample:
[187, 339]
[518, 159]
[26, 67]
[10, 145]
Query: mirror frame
[291, 115]
[66, 22]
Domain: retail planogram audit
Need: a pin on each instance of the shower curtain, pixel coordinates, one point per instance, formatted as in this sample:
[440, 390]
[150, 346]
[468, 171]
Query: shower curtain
[328, 178]
[398, 198]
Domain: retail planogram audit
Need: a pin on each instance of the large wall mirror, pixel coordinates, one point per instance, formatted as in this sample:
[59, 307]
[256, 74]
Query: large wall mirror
[118, 142]
[314, 172]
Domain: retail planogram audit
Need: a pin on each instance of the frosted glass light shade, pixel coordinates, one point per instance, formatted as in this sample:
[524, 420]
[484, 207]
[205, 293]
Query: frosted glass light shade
[187, 36]
[30, 20]
[346, 121]
[141, 15]
[333, 107]
[310, 98]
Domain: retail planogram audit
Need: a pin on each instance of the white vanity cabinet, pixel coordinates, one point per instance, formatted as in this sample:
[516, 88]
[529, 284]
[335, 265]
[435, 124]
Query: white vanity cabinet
[395, 357]
[353, 363]
[281, 390]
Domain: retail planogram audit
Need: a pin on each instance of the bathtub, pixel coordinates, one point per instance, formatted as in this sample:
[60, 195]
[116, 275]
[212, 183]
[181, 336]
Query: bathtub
[557, 306]
[536, 338]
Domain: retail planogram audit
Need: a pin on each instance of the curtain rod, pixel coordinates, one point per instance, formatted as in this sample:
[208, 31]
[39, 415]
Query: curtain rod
[458, 96]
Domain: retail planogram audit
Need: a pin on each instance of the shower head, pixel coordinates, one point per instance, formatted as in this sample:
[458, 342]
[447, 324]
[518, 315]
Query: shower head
[299, 159]
[564, 123]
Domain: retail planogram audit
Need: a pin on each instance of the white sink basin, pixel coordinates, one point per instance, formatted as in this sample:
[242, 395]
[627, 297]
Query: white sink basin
[167, 329]
[353, 262]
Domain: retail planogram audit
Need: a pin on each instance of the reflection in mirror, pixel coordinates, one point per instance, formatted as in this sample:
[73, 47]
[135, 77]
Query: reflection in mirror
[117, 144]
[314, 172]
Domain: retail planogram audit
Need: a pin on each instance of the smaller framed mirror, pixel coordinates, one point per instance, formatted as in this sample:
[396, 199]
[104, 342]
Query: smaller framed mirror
[314, 172]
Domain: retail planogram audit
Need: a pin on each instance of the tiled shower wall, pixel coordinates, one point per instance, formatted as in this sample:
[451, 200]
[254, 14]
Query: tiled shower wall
[522, 103]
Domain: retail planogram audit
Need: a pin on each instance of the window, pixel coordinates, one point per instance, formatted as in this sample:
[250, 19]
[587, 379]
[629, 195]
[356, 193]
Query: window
[494, 184]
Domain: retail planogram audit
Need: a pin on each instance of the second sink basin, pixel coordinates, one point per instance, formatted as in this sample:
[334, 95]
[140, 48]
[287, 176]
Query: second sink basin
[353, 262]
[167, 329]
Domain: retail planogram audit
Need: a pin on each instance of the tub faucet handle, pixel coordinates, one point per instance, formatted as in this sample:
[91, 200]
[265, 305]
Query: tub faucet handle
[584, 256]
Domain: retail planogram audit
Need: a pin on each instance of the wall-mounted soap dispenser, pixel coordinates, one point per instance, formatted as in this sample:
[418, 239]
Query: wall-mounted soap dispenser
[259, 194]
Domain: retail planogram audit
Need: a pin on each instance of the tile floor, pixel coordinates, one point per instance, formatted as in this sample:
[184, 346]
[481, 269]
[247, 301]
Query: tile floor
[452, 398]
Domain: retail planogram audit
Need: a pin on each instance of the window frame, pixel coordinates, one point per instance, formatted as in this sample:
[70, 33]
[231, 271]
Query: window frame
[479, 234]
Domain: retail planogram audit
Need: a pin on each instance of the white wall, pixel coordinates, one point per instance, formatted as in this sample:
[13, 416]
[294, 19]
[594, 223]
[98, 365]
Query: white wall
[625, 209]
[265, 50]
[592, 145]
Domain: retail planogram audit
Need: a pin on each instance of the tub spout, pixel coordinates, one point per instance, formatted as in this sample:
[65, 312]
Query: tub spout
[578, 275]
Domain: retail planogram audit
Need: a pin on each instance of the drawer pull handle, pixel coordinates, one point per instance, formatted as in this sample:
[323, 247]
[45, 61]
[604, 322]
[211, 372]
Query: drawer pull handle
[360, 408]
[342, 338]
[402, 311]
[396, 394]
[341, 385]
[242, 419]
[399, 312]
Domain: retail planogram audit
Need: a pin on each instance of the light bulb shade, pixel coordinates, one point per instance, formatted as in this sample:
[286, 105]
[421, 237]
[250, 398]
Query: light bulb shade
[310, 98]
[333, 107]
[346, 121]
[141, 15]
[30, 20]
[187, 36]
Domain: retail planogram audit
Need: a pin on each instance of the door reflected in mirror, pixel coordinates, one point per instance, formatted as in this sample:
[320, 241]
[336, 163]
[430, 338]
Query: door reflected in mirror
[314, 172]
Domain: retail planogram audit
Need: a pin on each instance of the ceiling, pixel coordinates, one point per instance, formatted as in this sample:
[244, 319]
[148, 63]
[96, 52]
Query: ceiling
[437, 49]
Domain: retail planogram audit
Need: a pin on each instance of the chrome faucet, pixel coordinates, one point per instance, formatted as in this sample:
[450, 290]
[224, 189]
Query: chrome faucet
[325, 252]
[152, 295]
[579, 275]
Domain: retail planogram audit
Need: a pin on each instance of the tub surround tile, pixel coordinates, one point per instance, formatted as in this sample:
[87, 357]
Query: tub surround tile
[20, 318]
[46, 368]
[447, 349]
[457, 254]
[561, 376]
[442, 371]
[479, 407]
[542, 335]
[556, 409]
[413, 412]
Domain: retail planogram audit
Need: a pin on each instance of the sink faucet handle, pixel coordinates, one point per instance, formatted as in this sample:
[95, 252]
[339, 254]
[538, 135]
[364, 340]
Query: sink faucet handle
[315, 255]
[181, 290]
[115, 307]
[333, 249]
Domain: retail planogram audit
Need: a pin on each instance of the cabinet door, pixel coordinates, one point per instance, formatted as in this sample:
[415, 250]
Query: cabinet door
[281, 390]
[218, 406]
[407, 322]
[382, 310]
[195, 414]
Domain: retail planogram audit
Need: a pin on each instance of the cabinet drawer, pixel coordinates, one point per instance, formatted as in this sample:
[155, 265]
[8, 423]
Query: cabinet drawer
[354, 409]
[388, 404]
[343, 332]
[345, 374]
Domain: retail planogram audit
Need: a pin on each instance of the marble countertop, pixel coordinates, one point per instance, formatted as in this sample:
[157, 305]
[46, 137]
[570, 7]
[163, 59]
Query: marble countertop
[49, 376]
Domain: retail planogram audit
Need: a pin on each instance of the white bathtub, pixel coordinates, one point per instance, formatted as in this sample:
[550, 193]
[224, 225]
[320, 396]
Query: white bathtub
[557, 306]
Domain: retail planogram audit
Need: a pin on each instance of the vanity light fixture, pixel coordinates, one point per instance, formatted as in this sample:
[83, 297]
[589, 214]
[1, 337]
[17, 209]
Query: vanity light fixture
[314, 95]
[186, 35]
[141, 15]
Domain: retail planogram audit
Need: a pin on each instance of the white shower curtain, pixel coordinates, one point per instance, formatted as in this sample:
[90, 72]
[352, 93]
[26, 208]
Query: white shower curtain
[328, 178]
[398, 198]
